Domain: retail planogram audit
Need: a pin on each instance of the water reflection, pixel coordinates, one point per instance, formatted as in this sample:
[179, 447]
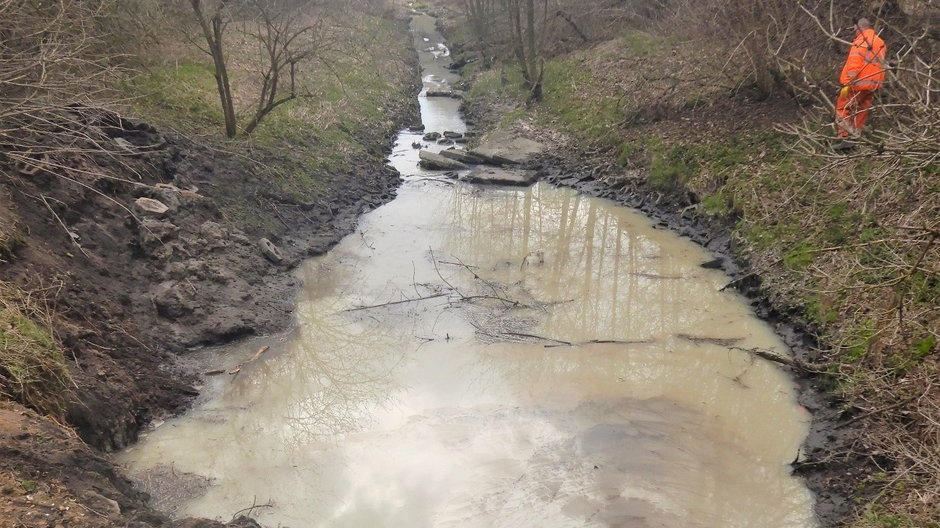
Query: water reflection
[442, 373]
[387, 407]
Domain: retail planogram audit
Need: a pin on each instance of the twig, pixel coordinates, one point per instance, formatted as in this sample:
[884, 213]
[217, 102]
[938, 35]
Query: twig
[426, 297]
[59, 220]
[238, 368]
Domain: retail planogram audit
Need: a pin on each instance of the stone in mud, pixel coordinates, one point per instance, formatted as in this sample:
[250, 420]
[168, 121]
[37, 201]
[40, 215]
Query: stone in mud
[170, 195]
[171, 300]
[416, 145]
[432, 161]
[452, 135]
[270, 251]
[462, 156]
[432, 136]
[501, 176]
[445, 141]
[215, 235]
[503, 148]
[461, 141]
[152, 234]
[151, 207]
[713, 264]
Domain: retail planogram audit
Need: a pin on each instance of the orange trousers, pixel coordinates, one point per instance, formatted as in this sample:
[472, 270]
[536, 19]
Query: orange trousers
[852, 111]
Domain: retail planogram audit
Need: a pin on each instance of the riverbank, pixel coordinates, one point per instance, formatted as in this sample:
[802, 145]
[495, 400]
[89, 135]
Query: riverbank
[806, 238]
[121, 264]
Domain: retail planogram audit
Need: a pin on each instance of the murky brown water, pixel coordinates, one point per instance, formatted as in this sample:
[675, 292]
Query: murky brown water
[474, 395]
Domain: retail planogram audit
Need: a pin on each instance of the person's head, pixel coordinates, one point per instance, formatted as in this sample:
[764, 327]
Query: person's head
[862, 25]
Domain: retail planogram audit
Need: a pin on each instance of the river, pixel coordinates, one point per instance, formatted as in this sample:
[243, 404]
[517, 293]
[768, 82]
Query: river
[493, 357]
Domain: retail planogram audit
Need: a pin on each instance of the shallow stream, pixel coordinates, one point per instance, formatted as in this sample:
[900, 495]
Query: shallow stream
[494, 357]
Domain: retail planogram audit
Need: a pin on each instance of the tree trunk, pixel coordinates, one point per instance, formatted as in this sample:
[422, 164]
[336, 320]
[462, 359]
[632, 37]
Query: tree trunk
[213, 30]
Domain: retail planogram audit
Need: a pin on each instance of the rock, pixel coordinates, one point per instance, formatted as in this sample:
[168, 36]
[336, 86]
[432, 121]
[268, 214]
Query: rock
[171, 300]
[125, 145]
[270, 251]
[462, 156]
[443, 93]
[432, 136]
[416, 145]
[432, 161]
[461, 141]
[452, 135]
[152, 234]
[445, 141]
[416, 128]
[239, 237]
[101, 504]
[151, 207]
[501, 176]
[717, 263]
[170, 195]
[216, 236]
[503, 148]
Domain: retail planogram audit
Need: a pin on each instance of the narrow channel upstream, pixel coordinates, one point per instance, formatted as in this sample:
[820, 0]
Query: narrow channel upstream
[494, 357]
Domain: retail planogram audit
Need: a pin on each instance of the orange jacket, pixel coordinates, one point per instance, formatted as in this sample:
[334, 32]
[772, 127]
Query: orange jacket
[864, 67]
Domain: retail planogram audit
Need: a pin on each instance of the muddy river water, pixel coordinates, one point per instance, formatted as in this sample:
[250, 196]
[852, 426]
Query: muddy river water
[493, 357]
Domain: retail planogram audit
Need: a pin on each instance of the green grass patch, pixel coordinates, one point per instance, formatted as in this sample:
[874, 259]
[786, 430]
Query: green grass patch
[182, 96]
[641, 43]
[800, 257]
[32, 366]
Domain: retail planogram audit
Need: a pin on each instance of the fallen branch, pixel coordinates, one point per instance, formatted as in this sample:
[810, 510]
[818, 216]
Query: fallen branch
[403, 301]
[238, 368]
[783, 360]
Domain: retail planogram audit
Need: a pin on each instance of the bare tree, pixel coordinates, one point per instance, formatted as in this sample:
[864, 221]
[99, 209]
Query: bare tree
[286, 39]
[287, 32]
[527, 41]
[481, 14]
[214, 17]
[55, 66]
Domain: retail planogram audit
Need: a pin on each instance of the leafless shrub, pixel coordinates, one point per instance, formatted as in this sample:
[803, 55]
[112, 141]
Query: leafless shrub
[55, 67]
[289, 34]
[907, 136]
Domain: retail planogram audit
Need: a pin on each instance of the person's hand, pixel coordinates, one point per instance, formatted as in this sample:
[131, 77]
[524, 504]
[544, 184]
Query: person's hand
[845, 91]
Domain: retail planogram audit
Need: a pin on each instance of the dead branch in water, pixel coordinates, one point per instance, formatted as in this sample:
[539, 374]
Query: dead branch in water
[254, 506]
[794, 363]
[698, 340]
[238, 368]
[392, 303]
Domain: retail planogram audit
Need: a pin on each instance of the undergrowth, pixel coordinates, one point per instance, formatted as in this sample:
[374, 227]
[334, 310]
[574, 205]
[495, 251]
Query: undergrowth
[32, 367]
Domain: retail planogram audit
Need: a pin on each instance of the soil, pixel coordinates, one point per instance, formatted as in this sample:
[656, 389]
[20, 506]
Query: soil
[135, 290]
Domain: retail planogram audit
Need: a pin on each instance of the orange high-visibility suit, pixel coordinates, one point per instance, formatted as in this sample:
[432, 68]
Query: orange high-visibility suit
[862, 75]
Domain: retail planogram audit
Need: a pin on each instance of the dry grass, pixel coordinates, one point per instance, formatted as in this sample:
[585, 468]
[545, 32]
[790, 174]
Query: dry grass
[32, 367]
[10, 233]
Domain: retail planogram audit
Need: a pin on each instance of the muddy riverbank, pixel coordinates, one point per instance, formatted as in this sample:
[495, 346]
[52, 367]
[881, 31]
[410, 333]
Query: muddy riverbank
[132, 289]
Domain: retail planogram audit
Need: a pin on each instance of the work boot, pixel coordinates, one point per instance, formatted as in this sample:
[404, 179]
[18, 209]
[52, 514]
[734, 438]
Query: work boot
[843, 145]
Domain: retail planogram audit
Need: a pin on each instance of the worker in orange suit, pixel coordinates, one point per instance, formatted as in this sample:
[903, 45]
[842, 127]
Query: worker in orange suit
[862, 75]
